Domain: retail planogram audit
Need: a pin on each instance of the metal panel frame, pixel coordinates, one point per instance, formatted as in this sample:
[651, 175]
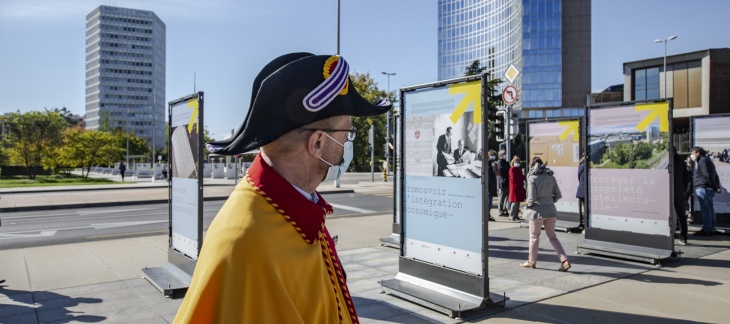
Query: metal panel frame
[432, 277]
[725, 225]
[173, 278]
[566, 221]
[628, 245]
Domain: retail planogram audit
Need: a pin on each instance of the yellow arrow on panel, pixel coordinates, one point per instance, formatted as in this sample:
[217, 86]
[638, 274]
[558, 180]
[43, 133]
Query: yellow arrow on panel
[473, 95]
[573, 127]
[194, 116]
[656, 110]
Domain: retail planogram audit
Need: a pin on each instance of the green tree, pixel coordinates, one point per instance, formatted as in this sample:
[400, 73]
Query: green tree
[137, 145]
[105, 121]
[206, 139]
[643, 150]
[368, 89]
[663, 144]
[65, 113]
[622, 154]
[34, 136]
[87, 148]
[474, 68]
[3, 156]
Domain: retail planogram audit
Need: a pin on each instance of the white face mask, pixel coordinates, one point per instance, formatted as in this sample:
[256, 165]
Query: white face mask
[493, 157]
[517, 164]
[336, 171]
[692, 157]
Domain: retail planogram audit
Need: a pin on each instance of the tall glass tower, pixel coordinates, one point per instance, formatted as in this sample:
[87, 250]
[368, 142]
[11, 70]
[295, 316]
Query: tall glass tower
[125, 72]
[549, 41]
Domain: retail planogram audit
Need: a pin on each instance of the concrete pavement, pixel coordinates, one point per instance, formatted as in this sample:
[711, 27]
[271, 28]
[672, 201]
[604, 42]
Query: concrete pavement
[101, 281]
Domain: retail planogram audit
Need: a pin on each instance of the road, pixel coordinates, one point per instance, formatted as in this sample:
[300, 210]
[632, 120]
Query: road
[41, 228]
[663, 163]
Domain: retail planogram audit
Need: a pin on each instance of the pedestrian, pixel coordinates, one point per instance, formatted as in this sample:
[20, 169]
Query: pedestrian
[580, 192]
[690, 195]
[682, 189]
[503, 184]
[492, 169]
[542, 194]
[164, 171]
[516, 188]
[122, 169]
[268, 256]
[706, 183]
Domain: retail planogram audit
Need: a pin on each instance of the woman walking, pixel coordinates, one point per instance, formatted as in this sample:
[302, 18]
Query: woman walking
[542, 193]
[516, 188]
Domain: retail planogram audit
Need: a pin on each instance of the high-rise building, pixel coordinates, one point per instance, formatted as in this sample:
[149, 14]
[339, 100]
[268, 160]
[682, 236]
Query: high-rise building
[548, 41]
[125, 72]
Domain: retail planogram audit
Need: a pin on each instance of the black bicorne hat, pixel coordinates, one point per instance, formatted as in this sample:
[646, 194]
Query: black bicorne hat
[294, 90]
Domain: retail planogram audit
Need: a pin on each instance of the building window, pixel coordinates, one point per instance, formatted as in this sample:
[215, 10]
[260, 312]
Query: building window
[646, 84]
[535, 114]
[552, 113]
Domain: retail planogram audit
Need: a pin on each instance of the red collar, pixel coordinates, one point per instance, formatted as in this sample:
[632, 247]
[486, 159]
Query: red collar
[306, 217]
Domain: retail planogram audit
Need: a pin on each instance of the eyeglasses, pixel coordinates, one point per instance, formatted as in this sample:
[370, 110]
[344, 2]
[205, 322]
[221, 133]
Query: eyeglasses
[351, 133]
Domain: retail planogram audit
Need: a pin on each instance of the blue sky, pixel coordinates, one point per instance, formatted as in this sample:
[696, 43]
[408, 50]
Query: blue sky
[225, 43]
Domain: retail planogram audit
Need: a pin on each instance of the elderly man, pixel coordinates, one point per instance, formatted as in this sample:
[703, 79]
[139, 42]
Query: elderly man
[462, 154]
[267, 256]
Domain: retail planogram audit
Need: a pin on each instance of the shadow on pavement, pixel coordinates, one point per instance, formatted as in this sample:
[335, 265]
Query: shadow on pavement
[669, 280]
[500, 238]
[710, 263]
[19, 306]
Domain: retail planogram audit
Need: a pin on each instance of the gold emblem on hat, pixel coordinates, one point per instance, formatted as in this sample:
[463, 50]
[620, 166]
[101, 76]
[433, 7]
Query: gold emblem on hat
[329, 66]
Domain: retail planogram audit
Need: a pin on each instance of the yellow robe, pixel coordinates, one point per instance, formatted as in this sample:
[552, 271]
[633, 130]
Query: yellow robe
[267, 258]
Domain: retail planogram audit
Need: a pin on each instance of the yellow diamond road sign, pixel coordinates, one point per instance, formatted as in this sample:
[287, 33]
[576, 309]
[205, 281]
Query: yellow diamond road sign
[511, 73]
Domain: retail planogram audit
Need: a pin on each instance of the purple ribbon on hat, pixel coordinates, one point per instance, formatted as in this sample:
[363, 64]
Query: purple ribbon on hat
[213, 148]
[326, 91]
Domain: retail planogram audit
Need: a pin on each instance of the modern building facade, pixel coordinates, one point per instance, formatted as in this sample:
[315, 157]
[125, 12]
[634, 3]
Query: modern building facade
[125, 72]
[548, 41]
[697, 82]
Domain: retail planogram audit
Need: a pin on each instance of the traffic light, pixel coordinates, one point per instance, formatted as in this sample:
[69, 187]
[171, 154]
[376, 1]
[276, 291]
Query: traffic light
[500, 125]
[514, 124]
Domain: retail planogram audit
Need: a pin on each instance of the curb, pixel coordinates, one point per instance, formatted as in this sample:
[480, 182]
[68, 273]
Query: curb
[125, 203]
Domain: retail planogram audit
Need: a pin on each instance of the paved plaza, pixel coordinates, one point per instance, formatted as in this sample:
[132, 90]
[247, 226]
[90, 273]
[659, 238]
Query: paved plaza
[101, 281]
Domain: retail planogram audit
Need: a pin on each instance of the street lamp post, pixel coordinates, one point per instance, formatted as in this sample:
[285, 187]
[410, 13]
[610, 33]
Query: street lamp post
[387, 129]
[673, 37]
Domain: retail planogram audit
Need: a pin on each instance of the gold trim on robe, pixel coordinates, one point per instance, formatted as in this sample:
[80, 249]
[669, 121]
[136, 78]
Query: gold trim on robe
[259, 262]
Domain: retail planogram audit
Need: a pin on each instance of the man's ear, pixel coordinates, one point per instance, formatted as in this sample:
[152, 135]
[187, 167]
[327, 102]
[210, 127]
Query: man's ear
[315, 144]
